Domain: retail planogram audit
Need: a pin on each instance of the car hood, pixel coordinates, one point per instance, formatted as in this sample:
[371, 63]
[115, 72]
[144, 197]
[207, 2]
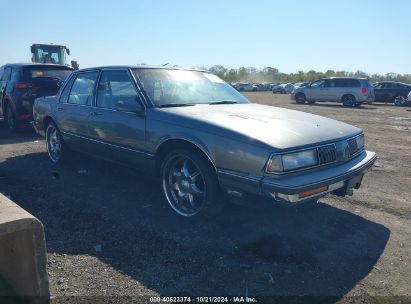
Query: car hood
[276, 127]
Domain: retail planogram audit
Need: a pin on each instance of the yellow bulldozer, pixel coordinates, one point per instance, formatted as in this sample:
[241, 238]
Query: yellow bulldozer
[51, 53]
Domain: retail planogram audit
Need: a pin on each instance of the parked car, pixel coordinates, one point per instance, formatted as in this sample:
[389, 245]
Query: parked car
[349, 91]
[300, 84]
[284, 88]
[246, 87]
[201, 137]
[390, 91]
[261, 87]
[21, 84]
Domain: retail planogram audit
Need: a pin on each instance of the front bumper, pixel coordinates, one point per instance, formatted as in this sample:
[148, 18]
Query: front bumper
[304, 186]
[37, 128]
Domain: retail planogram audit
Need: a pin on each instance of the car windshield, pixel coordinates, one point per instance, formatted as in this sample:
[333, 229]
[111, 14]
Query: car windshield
[180, 87]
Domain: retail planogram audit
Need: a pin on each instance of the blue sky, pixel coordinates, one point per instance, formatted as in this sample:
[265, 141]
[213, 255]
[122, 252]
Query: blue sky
[369, 35]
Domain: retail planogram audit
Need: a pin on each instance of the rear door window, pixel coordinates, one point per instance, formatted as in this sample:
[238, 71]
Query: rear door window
[330, 83]
[37, 73]
[83, 88]
[341, 82]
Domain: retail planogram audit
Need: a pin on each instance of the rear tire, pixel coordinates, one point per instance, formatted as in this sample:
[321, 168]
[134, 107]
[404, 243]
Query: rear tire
[348, 100]
[56, 148]
[12, 124]
[190, 184]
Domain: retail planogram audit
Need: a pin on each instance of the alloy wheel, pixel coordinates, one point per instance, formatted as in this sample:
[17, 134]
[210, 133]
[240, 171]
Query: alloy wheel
[184, 185]
[54, 143]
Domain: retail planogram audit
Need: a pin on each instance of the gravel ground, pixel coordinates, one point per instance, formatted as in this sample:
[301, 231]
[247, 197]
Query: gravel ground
[111, 237]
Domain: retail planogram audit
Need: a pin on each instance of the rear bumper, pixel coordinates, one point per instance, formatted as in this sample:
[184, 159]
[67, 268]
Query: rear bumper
[339, 180]
[369, 98]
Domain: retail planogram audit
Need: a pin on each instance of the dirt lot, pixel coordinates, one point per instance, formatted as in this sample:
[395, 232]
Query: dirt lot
[109, 232]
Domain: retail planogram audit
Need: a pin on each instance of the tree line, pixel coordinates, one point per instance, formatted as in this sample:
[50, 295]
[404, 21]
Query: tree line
[273, 75]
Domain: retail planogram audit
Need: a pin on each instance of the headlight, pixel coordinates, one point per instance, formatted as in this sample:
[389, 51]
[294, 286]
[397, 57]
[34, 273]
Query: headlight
[360, 141]
[292, 161]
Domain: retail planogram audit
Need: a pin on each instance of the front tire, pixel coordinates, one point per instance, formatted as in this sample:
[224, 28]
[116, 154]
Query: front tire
[300, 98]
[56, 148]
[189, 184]
[400, 101]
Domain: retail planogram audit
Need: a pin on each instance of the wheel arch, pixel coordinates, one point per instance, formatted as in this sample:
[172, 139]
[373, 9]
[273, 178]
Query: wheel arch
[46, 120]
[181, 143]
[347, 94]
[6, 100]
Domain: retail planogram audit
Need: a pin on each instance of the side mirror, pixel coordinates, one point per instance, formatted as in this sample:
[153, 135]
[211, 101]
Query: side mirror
[129, 106]
[68, 51]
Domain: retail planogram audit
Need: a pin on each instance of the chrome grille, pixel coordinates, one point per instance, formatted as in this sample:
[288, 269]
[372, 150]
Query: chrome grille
[327, 154]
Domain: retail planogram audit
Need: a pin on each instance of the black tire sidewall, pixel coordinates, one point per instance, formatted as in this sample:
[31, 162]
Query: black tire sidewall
[9, 111]
[298, 95]
[352, 103]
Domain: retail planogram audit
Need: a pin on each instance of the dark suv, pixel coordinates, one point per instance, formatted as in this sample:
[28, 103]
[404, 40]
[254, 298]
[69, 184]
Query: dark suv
[21, 84]
[390, 91]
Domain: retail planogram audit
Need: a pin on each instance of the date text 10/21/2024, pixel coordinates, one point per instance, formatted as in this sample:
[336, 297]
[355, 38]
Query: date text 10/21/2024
[181, 299]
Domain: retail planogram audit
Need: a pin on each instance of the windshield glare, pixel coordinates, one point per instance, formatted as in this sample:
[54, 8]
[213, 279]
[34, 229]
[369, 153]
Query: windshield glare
[166, 86]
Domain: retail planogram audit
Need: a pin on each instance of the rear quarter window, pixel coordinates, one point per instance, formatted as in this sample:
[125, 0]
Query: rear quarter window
[352, 83]
[66, 90]
[366, 83]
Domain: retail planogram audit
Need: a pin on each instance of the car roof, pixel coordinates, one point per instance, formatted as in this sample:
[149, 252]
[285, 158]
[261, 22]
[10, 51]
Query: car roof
[142, 67]
[393, 82]
[361, 78]
[37, 64]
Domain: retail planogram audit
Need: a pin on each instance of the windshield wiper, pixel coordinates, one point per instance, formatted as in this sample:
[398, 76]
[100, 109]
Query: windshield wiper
[223, 102]
[171, 105]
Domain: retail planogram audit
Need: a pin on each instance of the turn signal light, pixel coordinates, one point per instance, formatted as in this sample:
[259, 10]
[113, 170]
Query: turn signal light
[312, 192]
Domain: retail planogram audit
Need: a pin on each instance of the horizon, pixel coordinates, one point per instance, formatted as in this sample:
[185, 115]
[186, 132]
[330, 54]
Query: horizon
[289, 36]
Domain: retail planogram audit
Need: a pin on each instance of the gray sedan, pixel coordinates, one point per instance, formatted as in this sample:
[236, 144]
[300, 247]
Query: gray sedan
[201, 137]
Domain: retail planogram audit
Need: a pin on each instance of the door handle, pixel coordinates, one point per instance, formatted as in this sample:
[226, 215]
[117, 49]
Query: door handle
[60, 109]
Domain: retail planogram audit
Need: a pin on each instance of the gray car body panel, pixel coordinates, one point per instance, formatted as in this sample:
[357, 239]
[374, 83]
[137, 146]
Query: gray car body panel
[237, 138]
